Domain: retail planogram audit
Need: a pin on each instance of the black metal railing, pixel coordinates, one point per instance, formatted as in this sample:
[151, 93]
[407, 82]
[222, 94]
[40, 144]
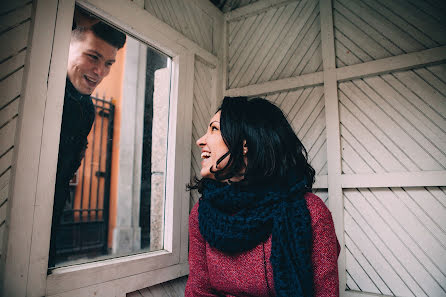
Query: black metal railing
[83, 231]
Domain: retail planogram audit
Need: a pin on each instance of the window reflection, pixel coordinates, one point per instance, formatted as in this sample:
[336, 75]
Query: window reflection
[114, 203]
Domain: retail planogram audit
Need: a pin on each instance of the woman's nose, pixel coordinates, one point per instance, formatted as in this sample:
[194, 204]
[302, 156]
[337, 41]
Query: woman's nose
[200, 142]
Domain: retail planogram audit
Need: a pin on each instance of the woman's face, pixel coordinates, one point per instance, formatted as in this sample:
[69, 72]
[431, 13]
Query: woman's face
[212, 148]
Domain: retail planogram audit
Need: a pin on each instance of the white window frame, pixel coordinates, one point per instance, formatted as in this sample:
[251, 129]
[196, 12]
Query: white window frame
[37, 143]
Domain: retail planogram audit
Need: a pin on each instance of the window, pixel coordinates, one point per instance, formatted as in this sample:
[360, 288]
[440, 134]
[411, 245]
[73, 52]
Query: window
[114, 204]
[30, 225]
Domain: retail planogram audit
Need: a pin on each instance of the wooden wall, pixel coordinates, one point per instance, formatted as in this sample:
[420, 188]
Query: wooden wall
[15, 22]
[364, 85]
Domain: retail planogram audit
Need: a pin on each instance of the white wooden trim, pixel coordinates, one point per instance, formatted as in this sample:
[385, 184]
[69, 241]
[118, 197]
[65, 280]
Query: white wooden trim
[28, 143]
[360, 294]
[187, 91]
[122, 286]
[399, 179]
[38, 261]
[397, 63]
[255, 8]
[77, 276]
[335, 202]
[285, 84]
[147, 28]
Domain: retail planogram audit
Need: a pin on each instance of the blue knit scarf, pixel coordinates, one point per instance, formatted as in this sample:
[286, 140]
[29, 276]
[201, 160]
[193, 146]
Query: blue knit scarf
[235, 218]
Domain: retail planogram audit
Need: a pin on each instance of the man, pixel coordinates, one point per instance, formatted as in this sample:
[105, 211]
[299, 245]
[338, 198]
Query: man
[92, 53]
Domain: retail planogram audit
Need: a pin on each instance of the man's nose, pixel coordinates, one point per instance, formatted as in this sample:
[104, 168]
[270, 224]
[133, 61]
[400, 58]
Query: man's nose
[100, 70]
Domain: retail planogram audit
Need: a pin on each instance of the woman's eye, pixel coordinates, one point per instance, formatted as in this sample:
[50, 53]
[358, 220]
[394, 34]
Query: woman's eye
[213, 128]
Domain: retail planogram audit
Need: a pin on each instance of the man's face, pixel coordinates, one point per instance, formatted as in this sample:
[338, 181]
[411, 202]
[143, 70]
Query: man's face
[89, 61]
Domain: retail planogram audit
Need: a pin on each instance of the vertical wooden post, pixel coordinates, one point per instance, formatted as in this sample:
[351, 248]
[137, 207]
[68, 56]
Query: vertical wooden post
[336, 203]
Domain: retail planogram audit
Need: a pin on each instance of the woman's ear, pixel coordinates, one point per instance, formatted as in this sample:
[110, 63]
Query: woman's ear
[245, 148]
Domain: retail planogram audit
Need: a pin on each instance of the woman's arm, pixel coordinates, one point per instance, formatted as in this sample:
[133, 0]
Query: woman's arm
[325, 249]
[198, 284]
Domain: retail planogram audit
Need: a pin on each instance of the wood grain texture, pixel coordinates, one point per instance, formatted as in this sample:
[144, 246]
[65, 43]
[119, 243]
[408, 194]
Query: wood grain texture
[394, 122]
[371, 30]
[187, 18]
[395, 240]
[280, 42]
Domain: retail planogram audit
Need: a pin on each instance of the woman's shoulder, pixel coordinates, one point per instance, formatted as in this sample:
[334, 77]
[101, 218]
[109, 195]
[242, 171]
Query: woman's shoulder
[193, 216]
[317, 208]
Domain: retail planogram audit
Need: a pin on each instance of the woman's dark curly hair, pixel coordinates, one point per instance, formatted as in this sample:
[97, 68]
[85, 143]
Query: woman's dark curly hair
[274, 150]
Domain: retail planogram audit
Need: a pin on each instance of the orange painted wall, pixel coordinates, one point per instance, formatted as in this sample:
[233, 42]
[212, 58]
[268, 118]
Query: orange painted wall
[112, 86]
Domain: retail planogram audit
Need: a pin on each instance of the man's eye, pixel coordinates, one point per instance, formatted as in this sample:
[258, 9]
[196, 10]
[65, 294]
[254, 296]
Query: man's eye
[93, 57]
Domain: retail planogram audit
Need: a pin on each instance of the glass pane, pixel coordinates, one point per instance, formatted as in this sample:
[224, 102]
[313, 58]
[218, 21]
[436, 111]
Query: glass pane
[110, 185]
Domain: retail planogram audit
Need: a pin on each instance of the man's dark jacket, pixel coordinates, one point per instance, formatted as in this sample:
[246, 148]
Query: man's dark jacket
[77, 120]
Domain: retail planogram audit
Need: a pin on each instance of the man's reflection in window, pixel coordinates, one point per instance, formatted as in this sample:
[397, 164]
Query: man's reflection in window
[93, 49]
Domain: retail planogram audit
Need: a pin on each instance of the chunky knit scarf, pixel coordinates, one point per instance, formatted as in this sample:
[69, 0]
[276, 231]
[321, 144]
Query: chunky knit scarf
[235, 218]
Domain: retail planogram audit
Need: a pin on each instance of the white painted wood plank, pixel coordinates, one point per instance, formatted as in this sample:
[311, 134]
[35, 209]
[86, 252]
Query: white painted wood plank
[359, 37]
[374, 247]
[423, 90]
[399, 179]
[395, 123]
[395, 40]
[236, 45]
[264, 48]
[307, 80]
[7, 6]
[6, 160]
[251, 45]
[3, 209]
[307, 15]
[254, 8]
[7, 136]
[367, 130]
[11, 87]
[419, 19]
[5, 178]
[304, 50]
[361, 276]
[356, 255]
[439, 71]
[434, 81]
[391, 64]
[14, 40]
[411, 232]
[351, 160]
[347, 51]
[410, 241]
[424, 117]
[12, 64]
[289, 100]
[359, 294]
[399, 20]
[8, 112]
[15, 17]
[300, 117]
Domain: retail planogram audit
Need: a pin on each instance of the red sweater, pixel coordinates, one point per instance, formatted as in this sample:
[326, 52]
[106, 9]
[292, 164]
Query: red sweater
[214, 273]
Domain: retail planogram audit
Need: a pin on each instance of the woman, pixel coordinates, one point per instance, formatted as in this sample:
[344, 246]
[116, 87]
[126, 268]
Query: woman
[257, 229]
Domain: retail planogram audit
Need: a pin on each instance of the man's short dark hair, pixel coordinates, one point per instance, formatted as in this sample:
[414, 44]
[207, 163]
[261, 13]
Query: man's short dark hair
[102, 31]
